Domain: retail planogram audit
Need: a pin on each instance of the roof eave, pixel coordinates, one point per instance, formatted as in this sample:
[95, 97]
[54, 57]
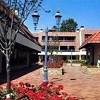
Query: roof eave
[83, 46]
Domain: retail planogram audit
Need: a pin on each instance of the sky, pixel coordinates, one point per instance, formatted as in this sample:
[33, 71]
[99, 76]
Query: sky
[85, 12]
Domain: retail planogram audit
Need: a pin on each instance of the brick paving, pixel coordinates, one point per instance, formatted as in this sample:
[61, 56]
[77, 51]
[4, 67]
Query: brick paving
[75, 82]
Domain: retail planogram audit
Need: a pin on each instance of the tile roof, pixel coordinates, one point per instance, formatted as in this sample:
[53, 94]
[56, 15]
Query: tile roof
[90, 31]
[95, 38]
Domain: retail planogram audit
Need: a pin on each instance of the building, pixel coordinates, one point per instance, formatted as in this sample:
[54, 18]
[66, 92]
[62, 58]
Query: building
[66, 43]
[26, 48]
[92, 46]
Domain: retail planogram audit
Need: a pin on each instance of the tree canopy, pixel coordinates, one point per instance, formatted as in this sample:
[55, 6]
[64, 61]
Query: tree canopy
[68, 25]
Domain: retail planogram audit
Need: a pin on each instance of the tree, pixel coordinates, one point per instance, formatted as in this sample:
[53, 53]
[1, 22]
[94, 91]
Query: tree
[53, 29]
[68, 25]
[13, 13]
[53, 46]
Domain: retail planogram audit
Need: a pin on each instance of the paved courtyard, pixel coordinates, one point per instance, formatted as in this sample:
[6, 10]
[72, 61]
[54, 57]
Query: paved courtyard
[75, 82]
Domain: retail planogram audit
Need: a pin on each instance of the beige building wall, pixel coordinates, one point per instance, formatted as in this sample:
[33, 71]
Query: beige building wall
[80, 37]
[63, 34]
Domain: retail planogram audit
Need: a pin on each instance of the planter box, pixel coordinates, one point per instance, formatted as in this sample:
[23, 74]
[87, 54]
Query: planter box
[53, 71]
[74, 64]
[90, 70]
[83, 69]
[93, 70]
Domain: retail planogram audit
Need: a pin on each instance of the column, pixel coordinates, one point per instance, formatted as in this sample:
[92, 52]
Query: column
[80, 36]
[59, 48]
[39, 59]
[0, 61]
[80, 55]
[27, 59]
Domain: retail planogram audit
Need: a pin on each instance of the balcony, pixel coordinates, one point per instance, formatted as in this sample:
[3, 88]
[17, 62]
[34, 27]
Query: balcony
[59, 39]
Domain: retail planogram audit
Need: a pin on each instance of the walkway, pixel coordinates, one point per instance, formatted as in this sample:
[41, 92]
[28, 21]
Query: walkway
[75, 82]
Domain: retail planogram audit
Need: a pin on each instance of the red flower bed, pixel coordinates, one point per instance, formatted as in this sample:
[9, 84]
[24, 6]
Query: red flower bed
[45, 91]
[55, 64]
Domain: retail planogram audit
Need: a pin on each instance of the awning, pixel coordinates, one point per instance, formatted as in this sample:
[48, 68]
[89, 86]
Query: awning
[21, 39]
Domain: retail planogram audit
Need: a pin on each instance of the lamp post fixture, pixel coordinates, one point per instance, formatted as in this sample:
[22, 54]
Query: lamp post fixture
[35, 19]
[58, 18]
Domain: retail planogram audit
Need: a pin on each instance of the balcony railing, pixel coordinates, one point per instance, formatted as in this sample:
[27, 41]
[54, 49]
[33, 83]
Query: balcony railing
[66, 50]
[59, 41]
[63, 50]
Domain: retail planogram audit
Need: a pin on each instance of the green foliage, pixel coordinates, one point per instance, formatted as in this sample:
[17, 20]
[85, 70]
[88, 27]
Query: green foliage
[88, 64]
[63, 26]
[53, 45]
[68, 25]
[78, 61]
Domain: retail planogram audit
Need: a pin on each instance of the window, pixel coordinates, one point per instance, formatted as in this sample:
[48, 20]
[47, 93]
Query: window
[63, 48]
[87, 36]
[67, 39]
[43, 38]
[72, 48]
[70, 39]
[36, 38]
[50, 38]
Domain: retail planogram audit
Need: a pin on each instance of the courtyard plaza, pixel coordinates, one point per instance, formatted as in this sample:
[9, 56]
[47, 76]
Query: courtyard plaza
[76, 83]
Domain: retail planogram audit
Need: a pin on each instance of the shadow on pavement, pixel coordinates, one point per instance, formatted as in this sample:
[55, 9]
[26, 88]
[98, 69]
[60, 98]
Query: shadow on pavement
[18, 73]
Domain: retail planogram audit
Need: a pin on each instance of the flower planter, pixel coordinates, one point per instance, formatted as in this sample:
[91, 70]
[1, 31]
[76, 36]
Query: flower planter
[55, 64]
[44, 91]
[53, 71]
[90, 70]
[83, 69]
[54, 68]
[93, 70]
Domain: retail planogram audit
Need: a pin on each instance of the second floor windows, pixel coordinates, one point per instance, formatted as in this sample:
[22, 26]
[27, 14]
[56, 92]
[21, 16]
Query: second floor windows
[60, 48]
[60, 38]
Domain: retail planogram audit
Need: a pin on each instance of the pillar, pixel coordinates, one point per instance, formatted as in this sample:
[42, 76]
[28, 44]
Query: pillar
[0, 61]
[27, 59]
[80, 36]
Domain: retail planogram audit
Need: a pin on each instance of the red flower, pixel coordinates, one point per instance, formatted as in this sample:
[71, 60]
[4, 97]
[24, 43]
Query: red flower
[8, 99]
[46, 91]
[12, 85]
[1, 88]
[64, 94]
[41, 95]
[48, 88]
[28, 84]
[21, 90]
[21, 84]
[56, 89]
[55, 64]
[31, 94]
[20, 95]
[60, 87]
[55, 97]
[26, 90]
[44, 84]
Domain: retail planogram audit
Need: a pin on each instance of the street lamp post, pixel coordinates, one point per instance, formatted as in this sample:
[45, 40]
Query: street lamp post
[35, 19]
[71, 58]
[45, 68]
